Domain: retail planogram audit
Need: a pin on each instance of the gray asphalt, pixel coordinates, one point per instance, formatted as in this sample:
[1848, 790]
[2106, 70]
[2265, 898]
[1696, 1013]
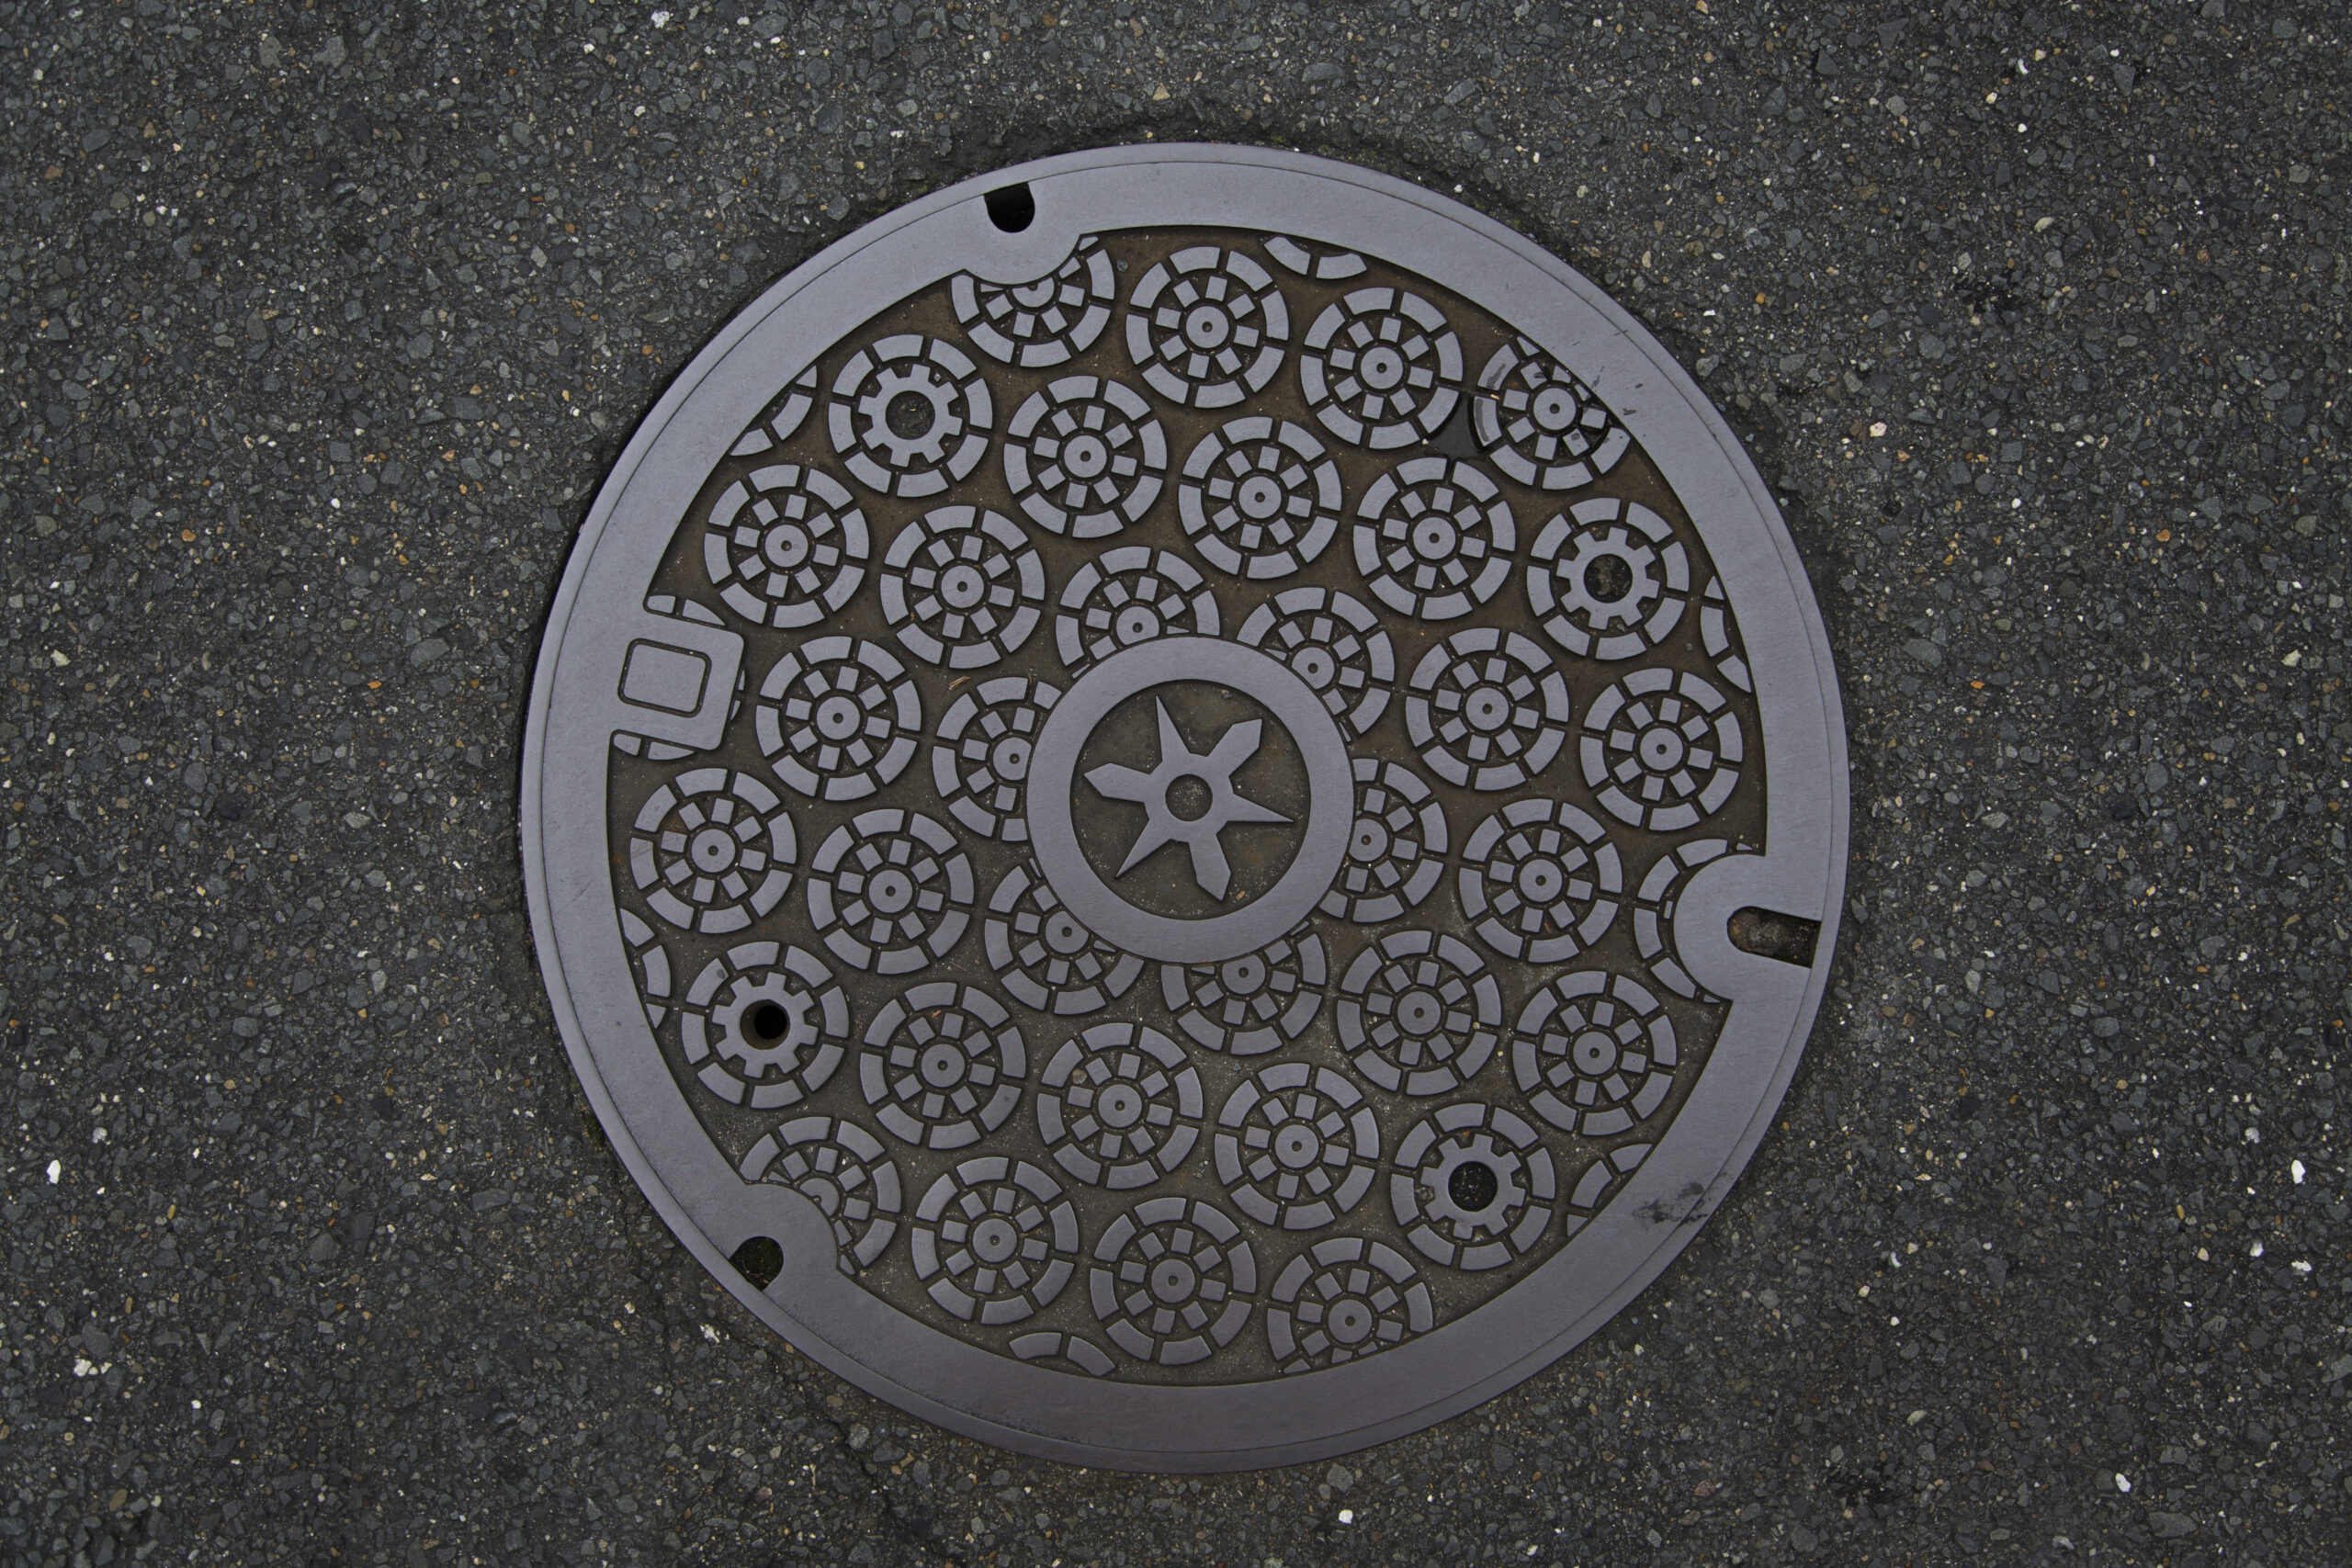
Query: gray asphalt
[324, 328]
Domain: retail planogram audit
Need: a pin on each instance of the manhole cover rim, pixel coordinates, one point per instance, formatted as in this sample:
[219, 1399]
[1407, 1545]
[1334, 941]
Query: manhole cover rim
[1027, 1408]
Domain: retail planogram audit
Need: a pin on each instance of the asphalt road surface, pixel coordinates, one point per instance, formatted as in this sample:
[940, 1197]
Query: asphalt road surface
[322, 329]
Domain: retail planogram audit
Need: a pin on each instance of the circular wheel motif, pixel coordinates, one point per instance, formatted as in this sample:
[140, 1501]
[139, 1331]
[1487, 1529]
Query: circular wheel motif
[1045, 320]
[1259, 497]
[1540, 881]
[1381, 369]
[1608, 579]
[838, 719]
[841, 1168]
[1433, 538]
[786, 545]
[1600, 1182]
[890, 891]
[1206, 327]
[1540, 424]
[1594, 1053]
[1044, 958]
[791, 411]
[649, 961]
[1721, 636]
[1330, 642]
[943, 1066]
[1085, 457]
[1662, 749]
[1063, 1352]
[711, 850]
[764, 1026]
[1173, 1280]
[1251, 1005]
[1341, 1299]
[994, 1241]
[1129, 595]
[1396, 850]
[1488, 708]
[980, 761]
[1327, 263]
[1654, 907]
[1475, 1187]
[962, 587]
[1296, 1146]
[909, 415]
[1119, 1106]
[1419, 1013]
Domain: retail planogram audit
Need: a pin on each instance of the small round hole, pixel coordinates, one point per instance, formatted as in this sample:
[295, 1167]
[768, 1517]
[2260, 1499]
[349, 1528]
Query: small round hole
[1472, 1187]
[760, 1260]
[770, 1021]
[1012, 208]
[1609, 579]
[909, 414]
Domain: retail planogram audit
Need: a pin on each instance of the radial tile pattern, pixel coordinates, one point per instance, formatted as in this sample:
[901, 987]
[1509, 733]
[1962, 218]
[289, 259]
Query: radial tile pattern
[1173, 801]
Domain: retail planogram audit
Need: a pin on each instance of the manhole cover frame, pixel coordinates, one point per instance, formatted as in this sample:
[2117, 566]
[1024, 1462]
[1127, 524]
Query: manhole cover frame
[1028, 1407]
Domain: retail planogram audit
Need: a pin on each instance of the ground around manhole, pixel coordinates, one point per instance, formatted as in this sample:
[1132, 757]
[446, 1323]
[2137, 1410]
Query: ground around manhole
[324, 331]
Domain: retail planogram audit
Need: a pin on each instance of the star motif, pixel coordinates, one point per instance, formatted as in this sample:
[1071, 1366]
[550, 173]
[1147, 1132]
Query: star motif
[1163, 825]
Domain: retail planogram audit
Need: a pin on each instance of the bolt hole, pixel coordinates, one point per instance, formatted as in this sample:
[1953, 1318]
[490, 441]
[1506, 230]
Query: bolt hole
[1012, 208]
[1472, 1187]
[1609, 580]
[770, 1021]
[760, 1260]
[1768, 935]
[909, 414]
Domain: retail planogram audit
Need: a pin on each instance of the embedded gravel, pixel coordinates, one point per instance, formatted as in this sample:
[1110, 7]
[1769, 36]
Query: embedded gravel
[323, 328]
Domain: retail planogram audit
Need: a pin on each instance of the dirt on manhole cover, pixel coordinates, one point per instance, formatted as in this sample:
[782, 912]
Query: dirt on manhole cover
[1184, 807]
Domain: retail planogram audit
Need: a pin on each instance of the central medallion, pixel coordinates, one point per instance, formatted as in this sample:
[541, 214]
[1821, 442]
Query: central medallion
[1190, 799]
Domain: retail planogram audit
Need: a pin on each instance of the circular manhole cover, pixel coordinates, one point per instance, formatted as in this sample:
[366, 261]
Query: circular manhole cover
[1191, 824]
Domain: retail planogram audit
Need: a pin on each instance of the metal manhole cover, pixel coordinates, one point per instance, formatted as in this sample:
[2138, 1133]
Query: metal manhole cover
[1191, 824]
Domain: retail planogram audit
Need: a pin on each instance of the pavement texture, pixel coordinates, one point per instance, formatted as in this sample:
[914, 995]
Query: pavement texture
[323, 328]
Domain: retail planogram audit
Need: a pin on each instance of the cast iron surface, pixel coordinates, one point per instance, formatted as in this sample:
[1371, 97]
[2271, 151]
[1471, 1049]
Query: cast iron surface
[1136, 824]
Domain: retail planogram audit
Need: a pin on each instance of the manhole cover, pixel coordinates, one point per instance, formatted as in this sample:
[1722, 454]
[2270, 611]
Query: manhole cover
[1187, 815]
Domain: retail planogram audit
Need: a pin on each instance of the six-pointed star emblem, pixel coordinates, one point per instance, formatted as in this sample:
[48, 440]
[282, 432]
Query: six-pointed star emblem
[1214, 773]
